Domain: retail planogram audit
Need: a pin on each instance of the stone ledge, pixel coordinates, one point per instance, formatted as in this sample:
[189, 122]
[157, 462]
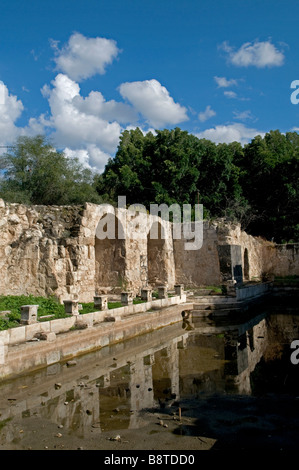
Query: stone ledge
[29, 356]
[24, 333]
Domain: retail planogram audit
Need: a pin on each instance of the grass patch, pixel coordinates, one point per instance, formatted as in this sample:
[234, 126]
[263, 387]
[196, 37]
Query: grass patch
[47, 306]
[89, 307]
[13, 303]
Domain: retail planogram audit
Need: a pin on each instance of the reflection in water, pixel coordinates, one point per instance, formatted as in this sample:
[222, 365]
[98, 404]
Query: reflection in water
[109, 388]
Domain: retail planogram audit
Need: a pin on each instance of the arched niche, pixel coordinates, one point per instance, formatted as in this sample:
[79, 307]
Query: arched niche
[156, 256]
[110, 253]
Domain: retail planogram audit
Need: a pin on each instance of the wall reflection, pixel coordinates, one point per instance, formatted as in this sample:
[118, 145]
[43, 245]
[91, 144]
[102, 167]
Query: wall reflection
[110, 388]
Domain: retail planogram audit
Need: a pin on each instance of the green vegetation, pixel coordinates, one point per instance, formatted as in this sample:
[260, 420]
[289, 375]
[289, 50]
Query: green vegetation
[47, 306]
[35, 173]
[256, 185]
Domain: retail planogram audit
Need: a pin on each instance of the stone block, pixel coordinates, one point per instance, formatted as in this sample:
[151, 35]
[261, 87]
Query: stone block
[3, 351]
[112, 318]
[101, 302]
[146, 294]
[162, 292]
[4, 313]
[17, 335]
[127, 298]
[179, 289]
[71, 307]
[28, 314]
[46, 336]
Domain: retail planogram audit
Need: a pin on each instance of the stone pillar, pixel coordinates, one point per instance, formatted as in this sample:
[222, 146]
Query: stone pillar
[127, 298]
[179, 289]
[146, 294]
[28, 314]
[162, 292]
[101, 302]
[71, 307]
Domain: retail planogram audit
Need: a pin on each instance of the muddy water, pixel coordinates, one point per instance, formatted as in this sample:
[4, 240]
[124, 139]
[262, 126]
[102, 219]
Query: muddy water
[197, 384]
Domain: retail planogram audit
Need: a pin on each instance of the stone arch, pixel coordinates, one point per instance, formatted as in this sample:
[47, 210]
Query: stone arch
[156, 262]
[110, 256]
[246, 265]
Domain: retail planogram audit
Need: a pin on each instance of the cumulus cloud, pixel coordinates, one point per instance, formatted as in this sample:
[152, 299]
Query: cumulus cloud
[223, 82]
[81, 121]
[206, 114]
[11, 109]
[154, 102]
[83, 57]
[230, 94]
[90, 157]
[230, 133]
[259, 54]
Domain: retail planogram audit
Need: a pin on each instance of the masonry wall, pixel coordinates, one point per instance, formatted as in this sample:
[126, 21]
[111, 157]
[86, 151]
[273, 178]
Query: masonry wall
[198, 267]
[57, 251]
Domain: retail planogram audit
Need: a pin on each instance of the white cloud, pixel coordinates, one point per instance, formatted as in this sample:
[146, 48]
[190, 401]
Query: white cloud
[96, 105]
[259, 54]
[230, 94]
[243, 115]
[154, 102]
[206, 114]
[84, 57]
[91, 157]
[10, 110]
[81, 121]
[223, 82]
[230, 133]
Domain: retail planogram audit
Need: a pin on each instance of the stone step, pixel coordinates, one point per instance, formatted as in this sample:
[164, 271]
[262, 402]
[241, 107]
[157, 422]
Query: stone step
[203, 306]
[211, 299]
[216, 312]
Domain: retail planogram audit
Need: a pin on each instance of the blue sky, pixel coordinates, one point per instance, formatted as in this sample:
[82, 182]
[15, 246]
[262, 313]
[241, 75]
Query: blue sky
[84, 71]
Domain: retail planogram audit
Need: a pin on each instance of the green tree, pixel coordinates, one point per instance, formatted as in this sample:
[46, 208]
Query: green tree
[35, 173]
[256, 185]
[270, 184]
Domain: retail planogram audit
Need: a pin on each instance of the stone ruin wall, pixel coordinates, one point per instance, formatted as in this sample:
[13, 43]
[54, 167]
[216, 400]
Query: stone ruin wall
[265, 258]
[54, 251]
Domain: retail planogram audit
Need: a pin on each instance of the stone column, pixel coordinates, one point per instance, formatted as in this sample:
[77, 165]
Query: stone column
[162, 292]
[29, 314]
[71, 307]
[179, 289]
[101, 302]
[146, 294]
[127, 298]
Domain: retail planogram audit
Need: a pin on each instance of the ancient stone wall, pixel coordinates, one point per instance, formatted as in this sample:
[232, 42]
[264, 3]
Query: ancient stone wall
[65, 252]
[198, 267]
[56, 251]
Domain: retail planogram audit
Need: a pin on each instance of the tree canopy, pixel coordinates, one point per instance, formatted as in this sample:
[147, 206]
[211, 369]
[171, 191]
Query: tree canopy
[35, 173]
[257, 184]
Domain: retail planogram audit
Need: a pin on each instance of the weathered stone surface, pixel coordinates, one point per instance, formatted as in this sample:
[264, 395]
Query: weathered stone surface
[56, 251]
[45, 336]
